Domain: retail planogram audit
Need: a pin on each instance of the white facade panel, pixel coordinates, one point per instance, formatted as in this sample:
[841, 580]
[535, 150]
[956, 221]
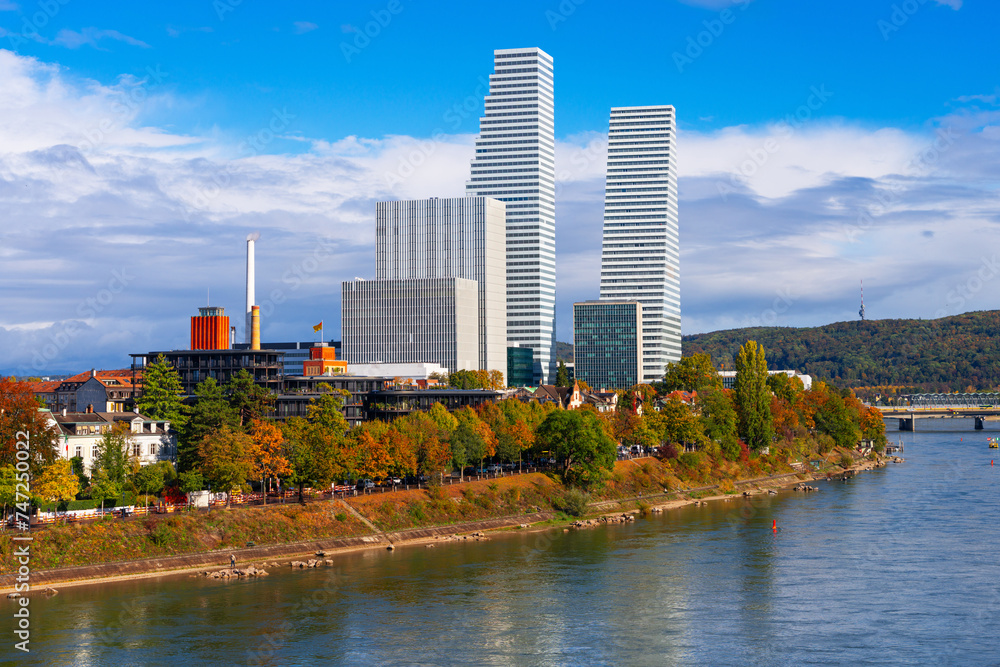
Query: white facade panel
[640, 254]
[451, 238]
[416, 320]
[515, 162]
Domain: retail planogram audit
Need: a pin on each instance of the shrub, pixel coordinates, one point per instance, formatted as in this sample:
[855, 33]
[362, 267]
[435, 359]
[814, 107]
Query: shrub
[644, 508]
[667, 451]
[574, 502]
[340, 516]
[690, 460]
[846, 460]
[727, 486]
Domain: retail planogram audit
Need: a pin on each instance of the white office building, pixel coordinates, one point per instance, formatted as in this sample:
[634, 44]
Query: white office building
[515, 162]
[415, 320]
[639, 258]
[451, 238]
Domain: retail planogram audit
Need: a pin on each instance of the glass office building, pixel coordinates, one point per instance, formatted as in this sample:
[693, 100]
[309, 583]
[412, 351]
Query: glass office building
[607, 339]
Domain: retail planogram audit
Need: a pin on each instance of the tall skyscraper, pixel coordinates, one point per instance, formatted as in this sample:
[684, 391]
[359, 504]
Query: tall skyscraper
[640, 254]
[515, 163]
[451, 238]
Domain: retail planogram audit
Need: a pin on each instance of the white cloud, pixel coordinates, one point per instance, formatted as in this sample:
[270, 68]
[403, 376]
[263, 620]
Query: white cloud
[91, 36]
[117, 229]
[304, 27]
[954, 4]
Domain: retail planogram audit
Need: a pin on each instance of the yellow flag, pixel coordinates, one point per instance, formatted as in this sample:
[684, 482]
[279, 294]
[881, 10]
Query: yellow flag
[318, 326]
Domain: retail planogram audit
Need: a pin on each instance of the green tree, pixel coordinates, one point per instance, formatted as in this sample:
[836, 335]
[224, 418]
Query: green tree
[562, 375]
[149, 479]
[577, 438]
[753, 397]
[718, 418]
[693, 373]
[102, 487]
[190, 481]
[466, 446]
[8, 488]
[210, 413]
[80, 471]
[161, 393]
[227, 460]
[248, 399]
[465, 380]
[114, 455]
[327, 411]
[314, 454]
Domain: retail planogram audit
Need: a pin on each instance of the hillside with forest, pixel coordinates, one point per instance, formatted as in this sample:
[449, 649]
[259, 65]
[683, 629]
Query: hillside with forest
[958, 353]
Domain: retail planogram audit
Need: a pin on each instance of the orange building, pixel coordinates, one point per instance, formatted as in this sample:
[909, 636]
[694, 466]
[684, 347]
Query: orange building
[210, 329]
[323, 361]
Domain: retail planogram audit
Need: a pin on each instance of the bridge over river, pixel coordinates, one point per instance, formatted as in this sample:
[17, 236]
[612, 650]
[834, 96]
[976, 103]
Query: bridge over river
[979, 407]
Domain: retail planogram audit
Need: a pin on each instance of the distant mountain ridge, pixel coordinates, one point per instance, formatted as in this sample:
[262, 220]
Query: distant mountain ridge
[957, 353]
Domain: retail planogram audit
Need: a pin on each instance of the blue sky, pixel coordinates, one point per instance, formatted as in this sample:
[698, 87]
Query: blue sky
[821, 143]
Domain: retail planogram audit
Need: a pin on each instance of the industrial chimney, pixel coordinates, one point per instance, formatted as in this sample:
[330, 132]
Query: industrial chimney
[254, 327]
[251, 298]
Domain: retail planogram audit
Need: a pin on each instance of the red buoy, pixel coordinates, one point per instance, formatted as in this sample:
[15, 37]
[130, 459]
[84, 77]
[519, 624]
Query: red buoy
[774, 525]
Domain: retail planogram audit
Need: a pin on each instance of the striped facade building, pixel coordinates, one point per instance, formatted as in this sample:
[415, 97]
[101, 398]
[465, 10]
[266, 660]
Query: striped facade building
[515, 162]
[640, 255]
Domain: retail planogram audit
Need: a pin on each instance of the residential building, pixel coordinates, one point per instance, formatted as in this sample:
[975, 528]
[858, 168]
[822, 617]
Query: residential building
[520, 367]
[608, 343]
[195, 366]
[414, 320]
[640, 254]
[391, 403]
[80, 433]
[515, 163]
[299, 392]
[451, 238]
[110, 391]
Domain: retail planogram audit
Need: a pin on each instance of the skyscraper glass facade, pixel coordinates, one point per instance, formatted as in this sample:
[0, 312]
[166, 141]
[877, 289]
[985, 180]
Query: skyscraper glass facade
[607, 339]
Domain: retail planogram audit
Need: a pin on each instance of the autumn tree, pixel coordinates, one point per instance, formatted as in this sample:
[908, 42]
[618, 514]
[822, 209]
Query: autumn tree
[753, 397]
[19, 413]
[269, 454]
[161, 393]
[328, 410]
[227, 460]
[57, 482]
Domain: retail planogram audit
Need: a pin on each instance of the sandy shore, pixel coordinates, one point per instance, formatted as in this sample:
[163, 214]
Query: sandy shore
[417, 537]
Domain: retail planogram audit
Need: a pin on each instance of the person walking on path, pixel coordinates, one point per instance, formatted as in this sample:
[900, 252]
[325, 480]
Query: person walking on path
[232, 561]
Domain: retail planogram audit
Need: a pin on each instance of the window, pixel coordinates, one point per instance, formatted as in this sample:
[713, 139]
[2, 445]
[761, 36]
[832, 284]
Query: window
[93, 453]
[79, 451]
[137, 449]
[152, 449]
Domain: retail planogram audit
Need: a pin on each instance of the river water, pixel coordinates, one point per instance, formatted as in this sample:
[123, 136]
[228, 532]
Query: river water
[898, 567]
